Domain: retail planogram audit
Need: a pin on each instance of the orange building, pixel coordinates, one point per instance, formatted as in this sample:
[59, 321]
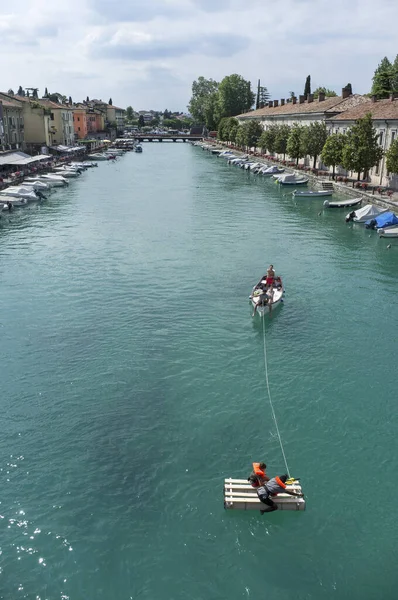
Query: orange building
[80, 122]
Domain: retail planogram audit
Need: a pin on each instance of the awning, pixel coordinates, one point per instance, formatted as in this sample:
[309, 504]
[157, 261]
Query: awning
[20, 158]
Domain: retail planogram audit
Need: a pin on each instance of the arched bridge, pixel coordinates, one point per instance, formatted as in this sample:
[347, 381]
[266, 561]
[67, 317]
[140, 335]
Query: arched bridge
[171, 137]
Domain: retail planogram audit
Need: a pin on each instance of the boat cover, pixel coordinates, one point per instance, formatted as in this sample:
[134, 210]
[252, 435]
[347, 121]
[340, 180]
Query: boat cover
[370, 211]
[384, 220]
[272, 169]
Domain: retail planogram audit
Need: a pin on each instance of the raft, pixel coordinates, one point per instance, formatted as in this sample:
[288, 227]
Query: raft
[240, 495]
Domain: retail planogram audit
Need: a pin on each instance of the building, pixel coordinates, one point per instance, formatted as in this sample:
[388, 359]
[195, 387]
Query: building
[36, 120]
[339, 113]
[61, 122]
[12, 124]
[385, 121]
[80, 121]
[116, 116]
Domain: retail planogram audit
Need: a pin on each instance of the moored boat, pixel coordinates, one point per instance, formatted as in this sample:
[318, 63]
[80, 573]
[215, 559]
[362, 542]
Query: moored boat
[387, 219]
[20, 192]
[263, 298]
[365, 213]
[342, 203]
[272, 170]
[391, 231]
[291, 179]
[312, 193]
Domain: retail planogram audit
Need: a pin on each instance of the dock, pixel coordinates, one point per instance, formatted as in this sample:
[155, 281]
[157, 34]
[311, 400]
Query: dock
[240, 495]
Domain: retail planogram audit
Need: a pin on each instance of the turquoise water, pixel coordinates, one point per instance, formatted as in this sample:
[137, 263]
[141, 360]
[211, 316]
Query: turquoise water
[132, 383]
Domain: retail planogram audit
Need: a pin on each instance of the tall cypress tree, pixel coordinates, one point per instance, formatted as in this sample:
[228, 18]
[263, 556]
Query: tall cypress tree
[394, 79]
[382, 79]
[307, 87]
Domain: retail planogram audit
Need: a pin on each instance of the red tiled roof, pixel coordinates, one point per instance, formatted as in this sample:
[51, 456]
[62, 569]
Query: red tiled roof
[381, 109]
[10, 103]
[329, 105]
[116, 107]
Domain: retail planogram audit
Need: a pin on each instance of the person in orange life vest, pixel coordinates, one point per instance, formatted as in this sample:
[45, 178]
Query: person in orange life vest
[273, 487]
[258, 476]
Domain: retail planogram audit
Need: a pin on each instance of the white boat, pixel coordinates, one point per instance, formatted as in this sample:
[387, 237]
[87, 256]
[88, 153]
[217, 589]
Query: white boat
[55, 179]
[291, 179]
[312, 193]
[262, 300]
[388, 231]
[67, 172]
[97, 156]
[272, 170]
[20, 192]
[87, 164]
[370, 211]
[342, 203]
[13, 200]
[36, 184]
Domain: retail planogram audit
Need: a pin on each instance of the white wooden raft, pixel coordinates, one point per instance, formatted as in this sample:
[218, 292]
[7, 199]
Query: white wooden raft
[240, 495]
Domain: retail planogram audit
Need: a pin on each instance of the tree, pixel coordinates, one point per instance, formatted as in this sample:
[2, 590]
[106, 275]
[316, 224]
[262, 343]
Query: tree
[252, 131]
[328, 93]
[141, 121]
[240, 137]
[203, 100]
[223, 129]
[233, 129]
[45, 93]
[268, 138]
[166, 114]
[332, 153]
[394, 78]
[262, 95]
[129, 113]
[27, 93]
[392, 158]
[281, 139]
[234, 96]
[110, 101]
[87, 99]
[295, 143]
[307, 87]
[361, 151]
[212, 111]
[20, 91]
[316, 137]
[70, 100]
[35, 93]
[383, 79]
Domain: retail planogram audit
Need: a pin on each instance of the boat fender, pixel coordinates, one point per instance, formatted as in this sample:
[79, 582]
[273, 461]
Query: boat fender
[326, 203]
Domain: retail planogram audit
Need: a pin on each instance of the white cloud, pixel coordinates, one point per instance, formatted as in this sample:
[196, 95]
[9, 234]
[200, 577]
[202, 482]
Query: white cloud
[148, 54]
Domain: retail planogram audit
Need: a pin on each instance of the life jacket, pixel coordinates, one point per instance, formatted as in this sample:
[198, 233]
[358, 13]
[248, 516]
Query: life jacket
[257, 471]
[280, 482]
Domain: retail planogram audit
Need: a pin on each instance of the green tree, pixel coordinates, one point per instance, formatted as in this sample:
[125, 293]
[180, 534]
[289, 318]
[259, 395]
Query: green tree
[110, 101]
[361, 151]
[129, 113]
[252, 131]
[281, 139]
[332, 153]
[223, 129]
[307, 87]
[234, 96]
[45, 93]
[70, 100]
[295, 147]
[262, 95]
[383, 79]
[87, 99]
[20, 91]
[240, 137]
[203, 100]
[392, 158]
[316, 138]
[268, 138]
[394, 78]
[212, 112]
[328, 93]
[141, 121]
[233, 129]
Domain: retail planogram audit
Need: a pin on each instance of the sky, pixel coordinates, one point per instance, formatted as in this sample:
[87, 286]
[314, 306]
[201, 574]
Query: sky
[146, 54]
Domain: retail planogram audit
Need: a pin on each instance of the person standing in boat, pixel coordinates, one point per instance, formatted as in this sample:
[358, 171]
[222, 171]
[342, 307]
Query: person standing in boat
[270, 277]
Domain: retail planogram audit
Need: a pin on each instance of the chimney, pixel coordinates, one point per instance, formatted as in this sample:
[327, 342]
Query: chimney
[321, 97]
[345, 92]
[282, 102]
[294, 99]
[276, 102]
[301, 99]
[270, 104]
[374, 98]
[310, 98]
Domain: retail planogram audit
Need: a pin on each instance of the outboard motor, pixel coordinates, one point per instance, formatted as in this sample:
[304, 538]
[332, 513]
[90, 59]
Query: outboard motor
[40, 195]
[371, 225]
[350, 217]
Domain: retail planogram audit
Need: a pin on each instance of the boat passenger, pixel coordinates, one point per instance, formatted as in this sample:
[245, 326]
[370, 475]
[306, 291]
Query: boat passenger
[258, 476]
[273, 487]
[270, 277]
[262, 301]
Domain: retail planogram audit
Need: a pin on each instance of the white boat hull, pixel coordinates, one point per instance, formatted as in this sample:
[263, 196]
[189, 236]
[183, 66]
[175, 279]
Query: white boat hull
[312, 194]
[388, 232]
[277, 297]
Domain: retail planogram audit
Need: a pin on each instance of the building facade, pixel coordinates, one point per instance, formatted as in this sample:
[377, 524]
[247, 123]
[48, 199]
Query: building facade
[339, 113]
[80, 122]
[116, 116]
[12, 136]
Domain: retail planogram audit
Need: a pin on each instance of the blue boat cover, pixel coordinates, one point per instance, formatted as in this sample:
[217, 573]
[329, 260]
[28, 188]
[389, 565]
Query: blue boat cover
[384, 220]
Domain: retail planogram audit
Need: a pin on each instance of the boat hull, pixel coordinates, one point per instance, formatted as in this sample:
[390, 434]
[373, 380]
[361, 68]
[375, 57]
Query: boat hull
[345, 204]
[256, 298]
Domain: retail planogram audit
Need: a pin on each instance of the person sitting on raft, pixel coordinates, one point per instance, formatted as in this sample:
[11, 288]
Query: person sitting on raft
[273, 487]
[258, 476]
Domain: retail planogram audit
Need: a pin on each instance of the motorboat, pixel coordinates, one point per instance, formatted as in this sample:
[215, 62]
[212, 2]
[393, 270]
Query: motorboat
[67, 172]
[383, 221]
[388, 232]
[13, 200]
[225, 153]
[20, 192]
[55, 179]
[263, 299]
[36, 184]
[87, 164]
[138, 149]
[370, 211]
[97, 156]
[291, 179]
[342, 203]
[312, 193]
[272, 170]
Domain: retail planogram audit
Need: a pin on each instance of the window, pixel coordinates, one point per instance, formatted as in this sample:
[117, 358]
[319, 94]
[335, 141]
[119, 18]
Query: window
[377, 168]
[78, 118]
[380, 140]
[52, 116]
[78, 128]
[393, 136]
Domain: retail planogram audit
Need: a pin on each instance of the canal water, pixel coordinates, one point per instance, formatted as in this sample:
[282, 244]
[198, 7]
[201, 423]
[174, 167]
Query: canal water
[132, 382]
